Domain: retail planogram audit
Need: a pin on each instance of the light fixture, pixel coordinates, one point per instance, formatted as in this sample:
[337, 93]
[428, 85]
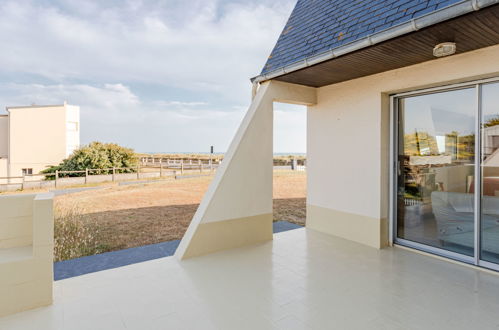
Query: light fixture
[444, 49]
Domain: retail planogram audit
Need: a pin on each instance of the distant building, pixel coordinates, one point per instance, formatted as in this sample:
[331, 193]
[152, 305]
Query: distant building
[37, 136]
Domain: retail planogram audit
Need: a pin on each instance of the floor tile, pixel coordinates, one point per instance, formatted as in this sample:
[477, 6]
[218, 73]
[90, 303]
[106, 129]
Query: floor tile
[301, 280]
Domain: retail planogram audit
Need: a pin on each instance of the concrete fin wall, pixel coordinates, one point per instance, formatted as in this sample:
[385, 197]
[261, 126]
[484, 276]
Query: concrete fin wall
[237, 208]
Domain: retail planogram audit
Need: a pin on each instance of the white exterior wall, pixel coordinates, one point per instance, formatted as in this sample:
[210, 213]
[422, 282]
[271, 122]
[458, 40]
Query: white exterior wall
[72, 129]
[348, 143]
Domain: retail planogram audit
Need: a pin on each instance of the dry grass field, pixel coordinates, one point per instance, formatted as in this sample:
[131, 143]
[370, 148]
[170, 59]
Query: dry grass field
[119, 217]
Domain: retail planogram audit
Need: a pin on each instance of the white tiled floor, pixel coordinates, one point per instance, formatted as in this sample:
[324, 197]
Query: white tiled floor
[301, 280]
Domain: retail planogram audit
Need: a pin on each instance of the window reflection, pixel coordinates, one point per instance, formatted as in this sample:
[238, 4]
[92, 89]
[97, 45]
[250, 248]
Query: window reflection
[436, 156]
[490, 173]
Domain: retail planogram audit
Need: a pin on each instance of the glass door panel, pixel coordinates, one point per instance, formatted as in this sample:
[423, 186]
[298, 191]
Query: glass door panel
[435, 174]
[489, 226]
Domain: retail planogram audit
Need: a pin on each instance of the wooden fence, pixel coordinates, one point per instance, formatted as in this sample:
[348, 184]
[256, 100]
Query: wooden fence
[147, 168]
[66, 178]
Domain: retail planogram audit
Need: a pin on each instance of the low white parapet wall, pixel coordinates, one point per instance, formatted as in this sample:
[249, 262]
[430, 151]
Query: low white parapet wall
[26, 252]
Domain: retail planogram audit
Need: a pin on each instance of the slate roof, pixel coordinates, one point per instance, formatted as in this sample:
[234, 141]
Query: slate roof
[316, 26]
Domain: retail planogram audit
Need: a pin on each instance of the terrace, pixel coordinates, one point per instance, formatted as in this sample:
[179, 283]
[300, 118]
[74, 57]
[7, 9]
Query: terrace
[302, 279]
[351, 267]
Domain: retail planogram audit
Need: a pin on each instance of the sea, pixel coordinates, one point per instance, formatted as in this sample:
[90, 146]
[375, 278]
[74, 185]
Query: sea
[215, 153]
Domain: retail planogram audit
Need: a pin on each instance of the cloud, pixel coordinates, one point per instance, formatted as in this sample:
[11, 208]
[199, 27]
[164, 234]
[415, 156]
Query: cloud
[168, 75]
[197, 44]
[111, 97]
[113, 113]
[180, 103]
[290, 123]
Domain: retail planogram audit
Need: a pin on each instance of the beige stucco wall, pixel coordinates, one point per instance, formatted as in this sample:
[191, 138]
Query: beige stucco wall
[348, 143]
[39, 136]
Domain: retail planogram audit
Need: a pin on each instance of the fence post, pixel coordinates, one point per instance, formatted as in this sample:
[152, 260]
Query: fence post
[86, 175]
[200, 168]
[114, 172]
[22, 183]
[56, 177]
[211, 165]
[138, 171]
[182, 168]
[160, 168]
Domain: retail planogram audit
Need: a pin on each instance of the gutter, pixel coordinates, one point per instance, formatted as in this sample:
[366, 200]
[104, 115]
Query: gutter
[452, 11]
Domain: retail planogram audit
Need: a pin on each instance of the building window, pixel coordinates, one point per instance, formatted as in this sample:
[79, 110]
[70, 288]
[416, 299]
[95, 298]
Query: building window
[27, 171]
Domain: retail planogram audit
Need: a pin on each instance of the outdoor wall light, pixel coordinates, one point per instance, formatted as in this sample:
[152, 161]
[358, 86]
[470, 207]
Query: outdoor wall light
[444, 49]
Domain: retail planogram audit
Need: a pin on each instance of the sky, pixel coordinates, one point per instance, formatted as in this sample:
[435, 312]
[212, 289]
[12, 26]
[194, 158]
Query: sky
[157, 76]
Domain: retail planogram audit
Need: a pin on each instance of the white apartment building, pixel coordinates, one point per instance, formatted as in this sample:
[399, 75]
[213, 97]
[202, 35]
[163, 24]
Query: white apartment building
[37, 136]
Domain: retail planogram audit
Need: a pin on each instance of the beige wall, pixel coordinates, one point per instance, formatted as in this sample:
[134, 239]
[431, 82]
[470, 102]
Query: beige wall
[26, 252]
[39, 136]
[348, 143]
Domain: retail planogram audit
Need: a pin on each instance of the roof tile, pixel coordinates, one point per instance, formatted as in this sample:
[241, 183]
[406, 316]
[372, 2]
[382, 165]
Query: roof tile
[316, 26]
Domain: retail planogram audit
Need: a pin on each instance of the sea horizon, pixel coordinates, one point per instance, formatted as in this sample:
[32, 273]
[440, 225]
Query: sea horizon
[215, 153]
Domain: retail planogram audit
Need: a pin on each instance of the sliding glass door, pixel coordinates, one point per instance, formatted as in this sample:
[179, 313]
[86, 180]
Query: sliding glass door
[444, 140]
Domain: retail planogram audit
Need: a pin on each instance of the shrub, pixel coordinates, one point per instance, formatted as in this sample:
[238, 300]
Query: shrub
[73, 237]
[97, 156]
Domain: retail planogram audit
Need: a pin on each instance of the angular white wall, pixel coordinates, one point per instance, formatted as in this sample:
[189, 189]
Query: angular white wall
[237, 208]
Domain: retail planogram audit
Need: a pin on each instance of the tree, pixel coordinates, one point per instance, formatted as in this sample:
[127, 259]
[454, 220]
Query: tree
[494, 121]
[97, 156]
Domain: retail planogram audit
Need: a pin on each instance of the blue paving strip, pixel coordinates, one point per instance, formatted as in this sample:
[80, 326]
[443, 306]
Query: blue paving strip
[85, 265]
[280, 226]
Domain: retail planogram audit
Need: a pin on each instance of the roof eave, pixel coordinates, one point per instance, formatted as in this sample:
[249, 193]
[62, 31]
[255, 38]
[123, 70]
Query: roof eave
[8, 108]
[441, 15]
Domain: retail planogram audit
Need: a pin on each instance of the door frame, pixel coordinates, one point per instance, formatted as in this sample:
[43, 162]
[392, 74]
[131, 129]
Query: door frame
[394, 166]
